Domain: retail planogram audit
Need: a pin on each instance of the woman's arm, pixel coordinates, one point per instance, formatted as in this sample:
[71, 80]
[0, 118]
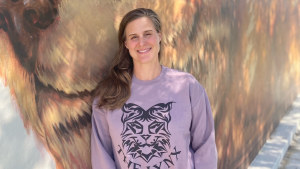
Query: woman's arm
[101, 144]
[202, 129]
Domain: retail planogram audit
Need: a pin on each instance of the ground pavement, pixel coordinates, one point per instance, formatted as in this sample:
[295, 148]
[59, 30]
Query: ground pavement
[282, 150]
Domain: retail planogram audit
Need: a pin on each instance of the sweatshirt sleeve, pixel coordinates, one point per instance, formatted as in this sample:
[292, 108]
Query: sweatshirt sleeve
[202, 129]
[101, 144]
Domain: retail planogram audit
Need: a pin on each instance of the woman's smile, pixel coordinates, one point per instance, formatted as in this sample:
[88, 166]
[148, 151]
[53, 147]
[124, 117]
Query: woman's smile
[144, 51]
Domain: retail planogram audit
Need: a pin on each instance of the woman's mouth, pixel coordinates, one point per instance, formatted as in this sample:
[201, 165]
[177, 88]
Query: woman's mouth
[144, 51]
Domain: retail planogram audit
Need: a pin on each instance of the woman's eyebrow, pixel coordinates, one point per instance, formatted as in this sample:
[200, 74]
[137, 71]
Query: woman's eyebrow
[148, 31]
[132, 34]
[144, 31]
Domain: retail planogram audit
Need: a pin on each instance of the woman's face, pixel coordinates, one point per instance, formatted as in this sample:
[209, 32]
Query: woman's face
[142, 41]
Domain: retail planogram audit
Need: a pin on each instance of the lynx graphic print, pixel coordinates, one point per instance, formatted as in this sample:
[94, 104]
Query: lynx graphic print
[145, 133]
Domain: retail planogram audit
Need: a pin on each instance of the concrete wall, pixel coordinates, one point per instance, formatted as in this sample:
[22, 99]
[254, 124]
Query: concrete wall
[53, 53]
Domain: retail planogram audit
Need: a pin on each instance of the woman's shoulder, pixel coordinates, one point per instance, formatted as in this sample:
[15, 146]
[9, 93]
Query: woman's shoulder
[180, 75]
[95, 100]
[96, 107]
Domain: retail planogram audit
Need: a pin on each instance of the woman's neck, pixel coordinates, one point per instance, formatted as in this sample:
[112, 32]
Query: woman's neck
[147, 72]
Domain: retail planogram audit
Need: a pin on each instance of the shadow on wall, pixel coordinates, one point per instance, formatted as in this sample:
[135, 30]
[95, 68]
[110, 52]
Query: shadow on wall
[245, 53]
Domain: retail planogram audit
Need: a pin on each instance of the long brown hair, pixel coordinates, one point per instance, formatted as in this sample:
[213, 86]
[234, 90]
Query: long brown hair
[114, 90]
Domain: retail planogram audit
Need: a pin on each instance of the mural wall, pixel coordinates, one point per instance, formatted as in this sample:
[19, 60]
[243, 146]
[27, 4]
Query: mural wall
[53, 53]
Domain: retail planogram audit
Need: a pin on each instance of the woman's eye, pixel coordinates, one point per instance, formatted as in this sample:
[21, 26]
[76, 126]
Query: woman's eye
[134, 37]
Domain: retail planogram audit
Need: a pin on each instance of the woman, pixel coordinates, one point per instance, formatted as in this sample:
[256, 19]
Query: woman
[146, 115]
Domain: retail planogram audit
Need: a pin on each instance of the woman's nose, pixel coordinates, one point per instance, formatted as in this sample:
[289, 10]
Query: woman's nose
[142, 41]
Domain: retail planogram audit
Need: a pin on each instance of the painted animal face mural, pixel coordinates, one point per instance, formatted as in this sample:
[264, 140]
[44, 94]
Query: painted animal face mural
[245, 53]
[145, 132]
[23, 22]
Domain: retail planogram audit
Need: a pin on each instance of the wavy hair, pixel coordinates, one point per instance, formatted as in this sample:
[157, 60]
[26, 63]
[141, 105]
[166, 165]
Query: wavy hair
[115, 89]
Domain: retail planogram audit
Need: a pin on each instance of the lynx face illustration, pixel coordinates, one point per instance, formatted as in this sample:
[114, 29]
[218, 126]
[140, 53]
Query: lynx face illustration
[145, 132]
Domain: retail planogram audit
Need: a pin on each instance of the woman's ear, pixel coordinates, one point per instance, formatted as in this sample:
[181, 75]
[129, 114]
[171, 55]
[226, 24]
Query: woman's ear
[125, 43]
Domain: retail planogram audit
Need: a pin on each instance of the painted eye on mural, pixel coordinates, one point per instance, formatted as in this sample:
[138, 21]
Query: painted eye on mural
[136, 127]
[3, 24]
[40, 19]
[155, 127]
[31, 16]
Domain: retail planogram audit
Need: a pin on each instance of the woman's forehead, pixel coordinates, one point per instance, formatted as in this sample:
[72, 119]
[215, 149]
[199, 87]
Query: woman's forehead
[139, 25]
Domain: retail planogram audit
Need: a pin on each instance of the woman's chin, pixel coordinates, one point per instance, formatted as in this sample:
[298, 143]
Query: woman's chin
[144, 58]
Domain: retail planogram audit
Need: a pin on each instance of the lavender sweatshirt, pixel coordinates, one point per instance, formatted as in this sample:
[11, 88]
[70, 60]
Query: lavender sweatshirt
[166, 123]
